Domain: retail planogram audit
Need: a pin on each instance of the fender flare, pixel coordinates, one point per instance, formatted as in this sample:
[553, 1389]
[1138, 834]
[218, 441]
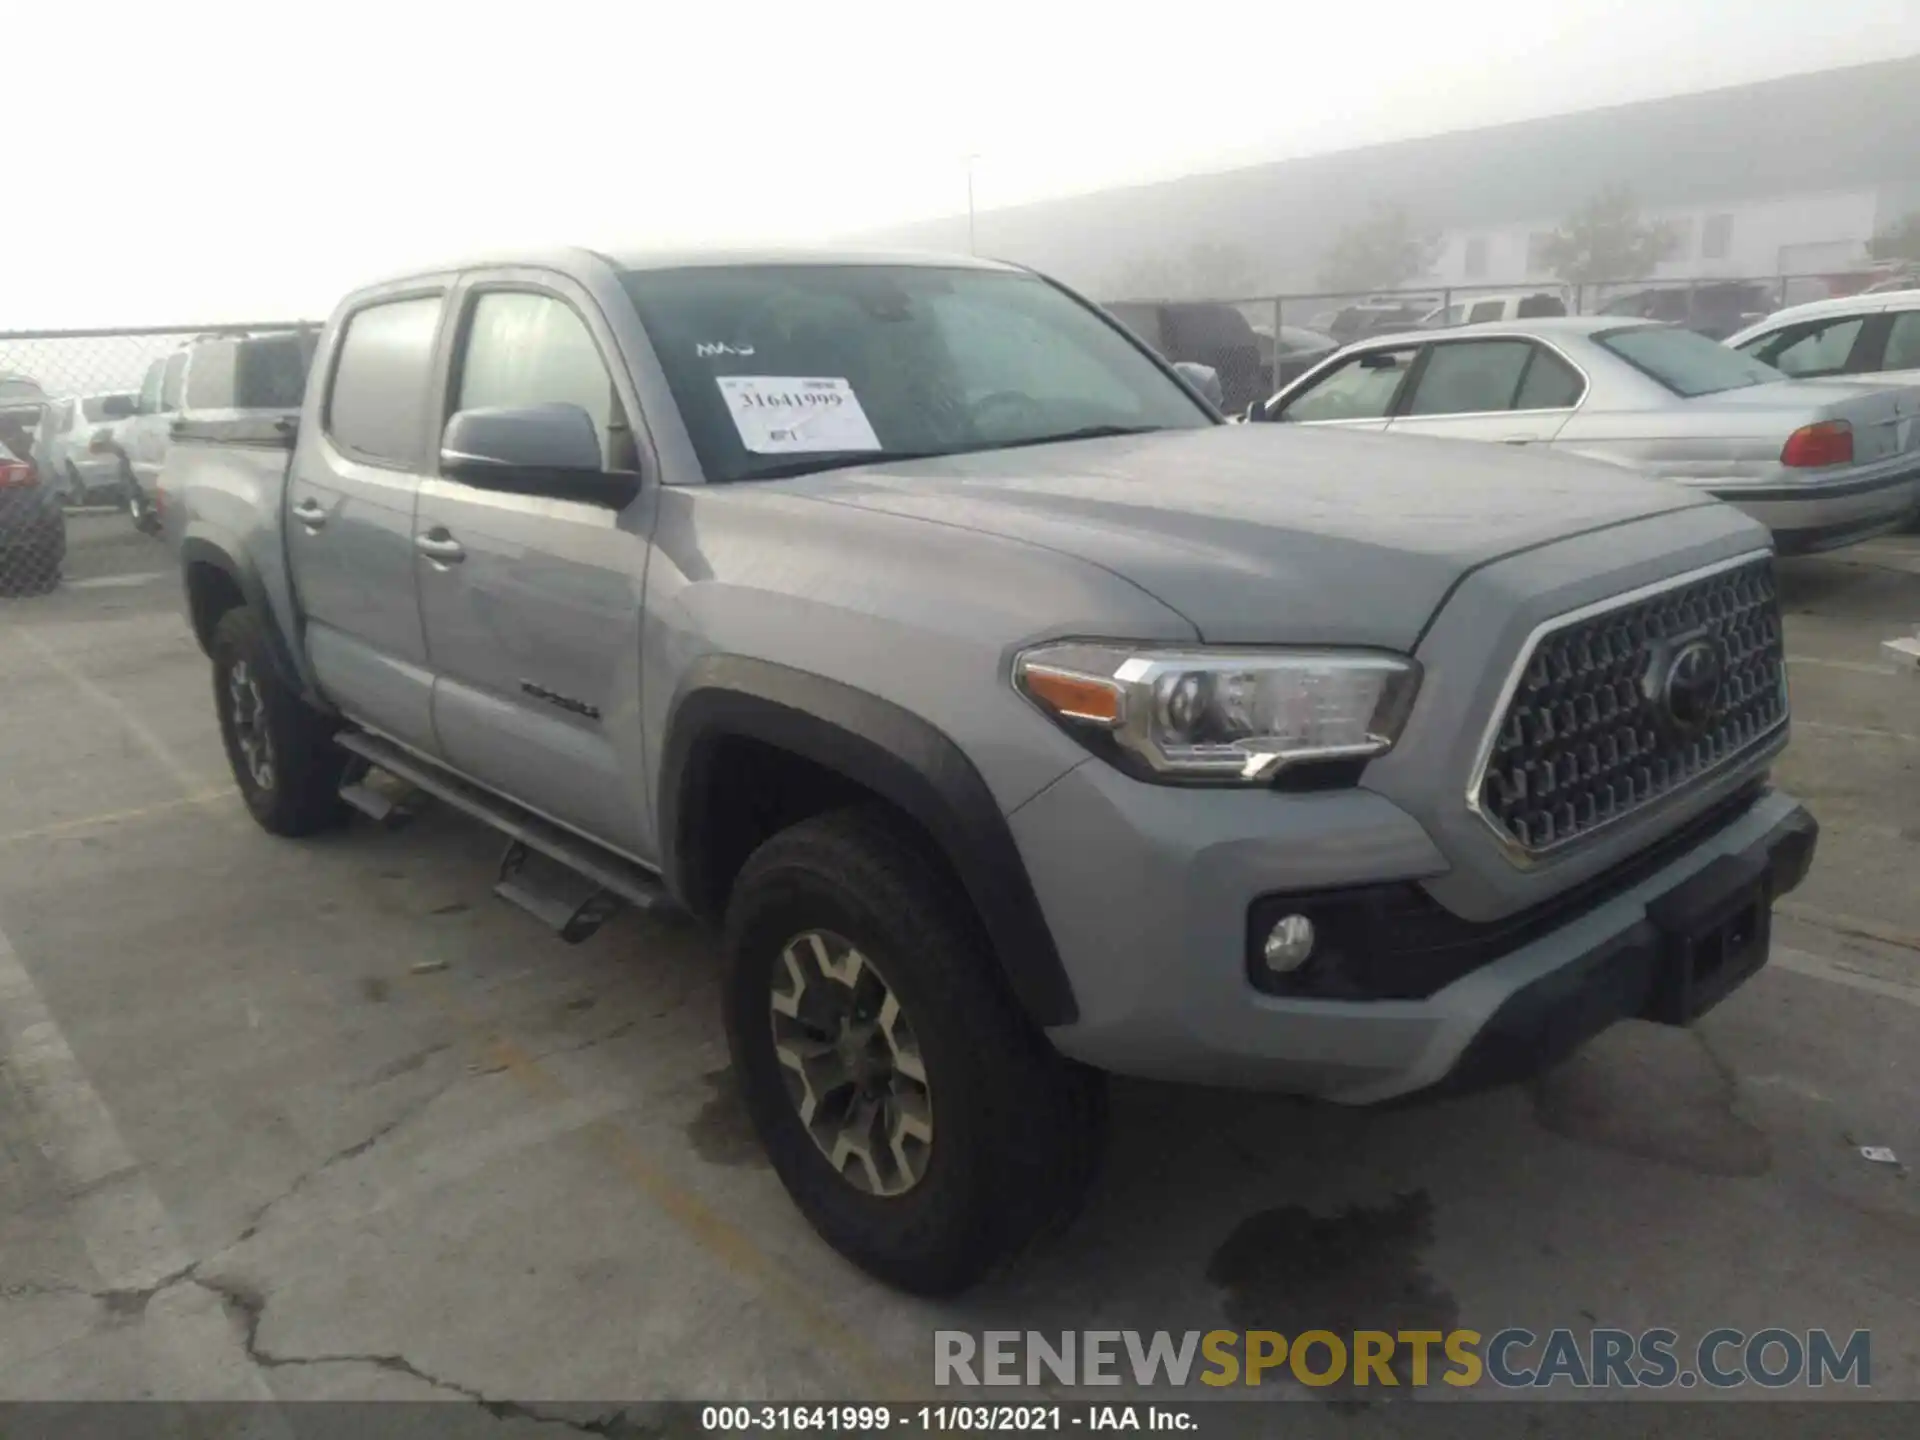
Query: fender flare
[203, 550]
[883, 748]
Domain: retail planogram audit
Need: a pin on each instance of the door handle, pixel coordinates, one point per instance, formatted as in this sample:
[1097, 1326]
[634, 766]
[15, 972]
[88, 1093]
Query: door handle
[310, 514]
[440, 547]
[1518, 440]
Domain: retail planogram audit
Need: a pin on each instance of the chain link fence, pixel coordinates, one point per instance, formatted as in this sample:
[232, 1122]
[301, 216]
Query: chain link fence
[1260, 343]
[85, 419]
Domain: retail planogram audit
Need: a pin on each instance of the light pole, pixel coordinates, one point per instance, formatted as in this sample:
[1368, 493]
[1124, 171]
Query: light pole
[971, 250]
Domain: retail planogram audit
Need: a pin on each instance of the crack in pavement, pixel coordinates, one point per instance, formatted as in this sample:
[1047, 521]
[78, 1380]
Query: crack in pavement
[345, 1153]
[248, 1307]
[625, 1027]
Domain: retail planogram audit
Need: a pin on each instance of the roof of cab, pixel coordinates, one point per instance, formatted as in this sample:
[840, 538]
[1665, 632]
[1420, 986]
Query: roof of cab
[578, 259]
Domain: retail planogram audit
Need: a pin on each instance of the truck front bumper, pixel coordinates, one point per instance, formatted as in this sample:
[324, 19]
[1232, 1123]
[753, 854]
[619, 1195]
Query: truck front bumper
[1159, 927]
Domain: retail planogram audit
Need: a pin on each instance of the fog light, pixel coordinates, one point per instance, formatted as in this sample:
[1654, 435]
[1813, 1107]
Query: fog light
[1289, 944]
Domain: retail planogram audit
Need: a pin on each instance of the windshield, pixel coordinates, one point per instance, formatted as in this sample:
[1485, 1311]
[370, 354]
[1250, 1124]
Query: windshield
[779, 369]
[1686, 362]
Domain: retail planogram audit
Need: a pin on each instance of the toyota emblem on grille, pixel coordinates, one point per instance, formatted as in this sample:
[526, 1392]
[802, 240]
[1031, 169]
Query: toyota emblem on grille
[1690, 687]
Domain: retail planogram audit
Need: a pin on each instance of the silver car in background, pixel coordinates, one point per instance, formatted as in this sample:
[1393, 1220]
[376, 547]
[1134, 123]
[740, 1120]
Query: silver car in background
[71, 447]
[1820, 463]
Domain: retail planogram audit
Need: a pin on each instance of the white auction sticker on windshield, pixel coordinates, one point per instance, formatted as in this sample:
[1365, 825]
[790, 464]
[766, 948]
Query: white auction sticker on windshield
[794, 414]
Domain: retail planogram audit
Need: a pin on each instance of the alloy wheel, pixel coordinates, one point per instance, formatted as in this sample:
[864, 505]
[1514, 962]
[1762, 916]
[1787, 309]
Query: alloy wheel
[851, 1063]
[249, 710]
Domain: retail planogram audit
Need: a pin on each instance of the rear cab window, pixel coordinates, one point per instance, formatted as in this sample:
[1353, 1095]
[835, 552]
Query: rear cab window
[377, 399]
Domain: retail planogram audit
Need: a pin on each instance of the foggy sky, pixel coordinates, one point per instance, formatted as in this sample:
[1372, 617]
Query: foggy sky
[205, 160]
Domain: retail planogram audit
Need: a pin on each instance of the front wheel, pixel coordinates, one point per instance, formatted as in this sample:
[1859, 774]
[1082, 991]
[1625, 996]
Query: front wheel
[280, 748]
[920, 1122]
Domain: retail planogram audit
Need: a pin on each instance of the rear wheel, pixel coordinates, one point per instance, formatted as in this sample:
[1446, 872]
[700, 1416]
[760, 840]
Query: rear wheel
[923, 1126]
[280, 748]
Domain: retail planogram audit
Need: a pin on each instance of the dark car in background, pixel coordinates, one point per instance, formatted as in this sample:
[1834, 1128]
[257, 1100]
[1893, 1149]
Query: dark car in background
[1203, 333]
[1715, 309]
[1299, 350]
[33, 528]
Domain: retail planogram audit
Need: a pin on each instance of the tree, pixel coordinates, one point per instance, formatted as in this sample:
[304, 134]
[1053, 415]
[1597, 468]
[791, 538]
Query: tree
[1902, 242]
[1605, 239]
[1379, 252]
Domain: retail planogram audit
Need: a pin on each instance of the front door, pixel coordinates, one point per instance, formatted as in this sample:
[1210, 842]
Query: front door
[1356, 394]
[532, 602]
[350, 517]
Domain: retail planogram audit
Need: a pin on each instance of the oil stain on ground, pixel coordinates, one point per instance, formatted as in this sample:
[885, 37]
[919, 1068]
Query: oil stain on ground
[722, 1133]
[1361, 1269]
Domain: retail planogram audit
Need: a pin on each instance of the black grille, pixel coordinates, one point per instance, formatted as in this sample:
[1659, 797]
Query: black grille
[1589, 735]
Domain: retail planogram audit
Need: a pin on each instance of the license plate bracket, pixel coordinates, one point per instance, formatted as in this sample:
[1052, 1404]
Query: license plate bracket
[1715, 928]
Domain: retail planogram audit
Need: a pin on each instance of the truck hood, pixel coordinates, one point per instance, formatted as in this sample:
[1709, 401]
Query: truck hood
[1269, 534]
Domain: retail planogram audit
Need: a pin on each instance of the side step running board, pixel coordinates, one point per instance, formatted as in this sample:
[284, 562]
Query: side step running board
[564, 879]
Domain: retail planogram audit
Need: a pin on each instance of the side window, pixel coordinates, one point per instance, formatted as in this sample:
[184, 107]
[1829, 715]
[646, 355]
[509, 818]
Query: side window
[1361, 389]
[528, 349]
[150, 388]
[1818, 347]
[1550, 383]
[1486, 310]
[173, 382]
[1903, 342]
[1471, 376]
[376, 406]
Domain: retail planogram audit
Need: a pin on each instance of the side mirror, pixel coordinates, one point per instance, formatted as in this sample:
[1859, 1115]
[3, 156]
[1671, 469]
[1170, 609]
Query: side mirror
[549, 450]
[1203, 378]
[119, 407]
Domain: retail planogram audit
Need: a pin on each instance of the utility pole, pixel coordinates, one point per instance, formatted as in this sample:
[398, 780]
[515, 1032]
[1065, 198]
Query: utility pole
[971, 249]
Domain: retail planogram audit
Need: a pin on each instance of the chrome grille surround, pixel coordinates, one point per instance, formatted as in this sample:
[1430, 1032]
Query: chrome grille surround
[1582, 736]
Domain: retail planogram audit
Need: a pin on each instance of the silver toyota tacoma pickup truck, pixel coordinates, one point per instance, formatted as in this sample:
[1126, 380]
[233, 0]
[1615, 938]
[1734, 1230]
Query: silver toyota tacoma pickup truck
[1012, 717]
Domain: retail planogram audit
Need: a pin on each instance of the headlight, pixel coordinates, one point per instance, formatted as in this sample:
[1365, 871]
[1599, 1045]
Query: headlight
[1239, 716]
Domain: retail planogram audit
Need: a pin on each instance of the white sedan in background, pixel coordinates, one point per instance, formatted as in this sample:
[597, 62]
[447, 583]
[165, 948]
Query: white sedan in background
[1820, 463]
[1873, 337]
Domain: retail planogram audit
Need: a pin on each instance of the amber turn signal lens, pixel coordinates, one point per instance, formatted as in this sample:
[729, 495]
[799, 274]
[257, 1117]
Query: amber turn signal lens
[1074, 697]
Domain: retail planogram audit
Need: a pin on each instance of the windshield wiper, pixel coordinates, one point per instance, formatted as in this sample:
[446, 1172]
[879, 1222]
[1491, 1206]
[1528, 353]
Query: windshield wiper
[813, 464]
[1085, 432]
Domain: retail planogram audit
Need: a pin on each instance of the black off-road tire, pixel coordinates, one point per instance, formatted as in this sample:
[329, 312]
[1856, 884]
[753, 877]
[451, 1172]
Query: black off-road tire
[1017, 1128]
[302, 796]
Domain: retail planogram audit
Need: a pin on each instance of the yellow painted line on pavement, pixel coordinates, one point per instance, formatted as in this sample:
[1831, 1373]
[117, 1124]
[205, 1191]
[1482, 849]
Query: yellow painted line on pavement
[115, 817]
[732, 1247]
[721, 1239]
[161, 752]
[1865, 731]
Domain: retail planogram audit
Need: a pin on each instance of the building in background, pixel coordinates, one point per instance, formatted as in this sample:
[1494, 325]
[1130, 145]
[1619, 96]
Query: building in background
[1790, 174]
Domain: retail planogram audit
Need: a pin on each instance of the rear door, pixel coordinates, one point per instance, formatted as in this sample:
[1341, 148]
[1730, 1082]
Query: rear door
[350, 521]
[1511, 389]
[532, 602]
